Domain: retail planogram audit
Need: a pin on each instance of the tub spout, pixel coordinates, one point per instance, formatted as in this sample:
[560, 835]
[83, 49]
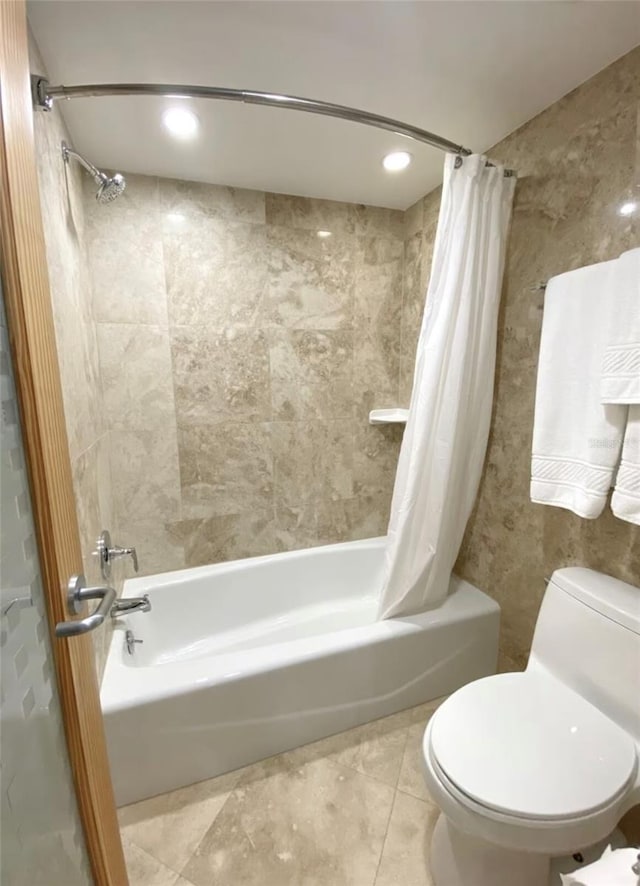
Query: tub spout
[127, 605]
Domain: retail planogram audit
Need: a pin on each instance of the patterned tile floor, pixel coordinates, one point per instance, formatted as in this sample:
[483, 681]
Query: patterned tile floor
[350, 810]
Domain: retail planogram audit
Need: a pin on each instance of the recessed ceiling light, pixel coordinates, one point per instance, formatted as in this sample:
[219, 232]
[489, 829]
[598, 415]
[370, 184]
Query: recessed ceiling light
[181, 122]
[396, 161]
[628, 208]
[324, 234]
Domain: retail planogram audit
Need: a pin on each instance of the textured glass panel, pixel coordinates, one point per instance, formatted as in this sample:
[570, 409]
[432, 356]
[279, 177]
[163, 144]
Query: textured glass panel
[42, 841]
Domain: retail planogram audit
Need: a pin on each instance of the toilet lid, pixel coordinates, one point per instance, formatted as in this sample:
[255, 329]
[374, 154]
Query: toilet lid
[526, 745]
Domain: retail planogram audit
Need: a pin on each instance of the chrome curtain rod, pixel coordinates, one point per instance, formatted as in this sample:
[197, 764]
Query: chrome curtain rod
[44, 95]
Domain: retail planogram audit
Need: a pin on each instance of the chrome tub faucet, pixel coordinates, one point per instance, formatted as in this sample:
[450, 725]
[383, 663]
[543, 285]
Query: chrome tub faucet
[128, 605]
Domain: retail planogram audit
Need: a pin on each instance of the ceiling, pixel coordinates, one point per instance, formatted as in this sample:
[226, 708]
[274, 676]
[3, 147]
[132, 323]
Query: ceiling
[469, 71]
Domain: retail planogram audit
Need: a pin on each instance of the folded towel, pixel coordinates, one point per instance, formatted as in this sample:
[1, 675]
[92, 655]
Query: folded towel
[576, 438]
[625, 502]
[621, 357]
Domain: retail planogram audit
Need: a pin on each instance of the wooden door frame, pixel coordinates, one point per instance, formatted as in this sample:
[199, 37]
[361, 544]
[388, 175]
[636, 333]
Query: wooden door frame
[33, 346]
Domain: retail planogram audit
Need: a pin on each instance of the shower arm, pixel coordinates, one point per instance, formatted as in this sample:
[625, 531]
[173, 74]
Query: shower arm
[44, 96]
[67, 153]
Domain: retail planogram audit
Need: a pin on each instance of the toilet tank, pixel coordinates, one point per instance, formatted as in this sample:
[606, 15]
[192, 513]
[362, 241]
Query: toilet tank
[588, 636]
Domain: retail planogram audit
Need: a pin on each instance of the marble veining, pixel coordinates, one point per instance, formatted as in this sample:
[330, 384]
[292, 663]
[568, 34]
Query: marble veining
[70, 280]
[344, 811]
[238, 364]
[577, 162]
[238, 354]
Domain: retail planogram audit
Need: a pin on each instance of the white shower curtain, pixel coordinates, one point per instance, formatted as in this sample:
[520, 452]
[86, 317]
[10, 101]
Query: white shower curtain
[446, 435]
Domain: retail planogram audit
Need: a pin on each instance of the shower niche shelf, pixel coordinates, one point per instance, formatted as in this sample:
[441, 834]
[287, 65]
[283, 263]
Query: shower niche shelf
[388, 416]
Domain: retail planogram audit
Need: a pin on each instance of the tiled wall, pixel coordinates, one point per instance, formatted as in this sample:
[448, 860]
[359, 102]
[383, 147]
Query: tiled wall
[240, 355]
[576, 162]
[61, 197]
[42, 839]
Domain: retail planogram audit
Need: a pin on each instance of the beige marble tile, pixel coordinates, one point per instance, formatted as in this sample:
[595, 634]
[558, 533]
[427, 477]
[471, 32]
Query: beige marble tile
[412, 310]
[310, 280]
[317, 825]
[159, 546]
[376, 220]
[295, 526]
[376, 363]
[65, 231]
[137, 378]
[170, 827]
[375, 749]
[376, 452]
[145, 870]
[225, 469]
[575, 161]
[147, 499]
[145, 473]
[377, 314]
[405, 855]
[187, 198]
[297, 478]
[69, 280]
[418, 253]
[229, 537]
[80, 377]
[127, 269]
[311, 374]
[312, 461]
[86, 485]
[411, 779]
[220, 375]
[310, 214]
[216, 271]
[365, 515]
[414, 218]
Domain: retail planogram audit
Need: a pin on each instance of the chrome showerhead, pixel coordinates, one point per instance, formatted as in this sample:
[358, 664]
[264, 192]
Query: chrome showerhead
[109, 188]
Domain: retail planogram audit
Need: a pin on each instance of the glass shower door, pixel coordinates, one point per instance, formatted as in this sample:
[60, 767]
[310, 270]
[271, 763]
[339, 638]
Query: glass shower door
[42, 838]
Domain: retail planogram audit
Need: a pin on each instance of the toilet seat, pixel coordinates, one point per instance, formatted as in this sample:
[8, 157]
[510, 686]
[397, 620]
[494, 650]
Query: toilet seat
[527, 747]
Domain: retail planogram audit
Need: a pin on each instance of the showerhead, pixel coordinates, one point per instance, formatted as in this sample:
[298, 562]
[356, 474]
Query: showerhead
[109, 188]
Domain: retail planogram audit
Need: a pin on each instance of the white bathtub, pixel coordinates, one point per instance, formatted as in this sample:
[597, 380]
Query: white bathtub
[243, 660]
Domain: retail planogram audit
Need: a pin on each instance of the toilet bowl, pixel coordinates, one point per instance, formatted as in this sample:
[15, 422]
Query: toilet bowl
[530, 766]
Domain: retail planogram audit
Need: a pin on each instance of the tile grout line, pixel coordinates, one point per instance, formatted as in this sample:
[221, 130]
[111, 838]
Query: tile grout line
[384, 839]
[150, 855]
[211, 824]
[395, 794]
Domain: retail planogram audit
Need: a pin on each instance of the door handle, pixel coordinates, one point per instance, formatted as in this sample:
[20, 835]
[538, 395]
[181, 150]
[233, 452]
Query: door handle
[77, 594]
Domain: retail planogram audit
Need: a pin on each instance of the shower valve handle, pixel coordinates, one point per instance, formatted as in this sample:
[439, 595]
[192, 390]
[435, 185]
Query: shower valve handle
[108, 552]
[116, 552]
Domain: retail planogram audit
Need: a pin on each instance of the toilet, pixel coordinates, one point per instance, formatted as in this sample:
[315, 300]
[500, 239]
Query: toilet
[532, 766]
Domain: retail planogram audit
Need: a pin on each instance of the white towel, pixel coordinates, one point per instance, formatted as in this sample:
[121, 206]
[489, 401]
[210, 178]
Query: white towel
[576, 438]
[621, 357]
[625, 502]
[615, 868]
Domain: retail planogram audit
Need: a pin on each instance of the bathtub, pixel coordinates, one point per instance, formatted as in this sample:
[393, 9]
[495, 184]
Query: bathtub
[246, 659]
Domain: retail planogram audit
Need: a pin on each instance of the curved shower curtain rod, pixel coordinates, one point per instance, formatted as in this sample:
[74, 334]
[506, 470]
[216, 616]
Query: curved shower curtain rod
[44, 96]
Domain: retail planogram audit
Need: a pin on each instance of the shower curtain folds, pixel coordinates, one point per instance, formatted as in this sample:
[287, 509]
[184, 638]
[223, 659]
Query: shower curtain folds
[445, 439]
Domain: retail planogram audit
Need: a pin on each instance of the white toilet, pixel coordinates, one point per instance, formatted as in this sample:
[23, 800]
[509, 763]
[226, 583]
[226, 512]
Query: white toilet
[533, 765]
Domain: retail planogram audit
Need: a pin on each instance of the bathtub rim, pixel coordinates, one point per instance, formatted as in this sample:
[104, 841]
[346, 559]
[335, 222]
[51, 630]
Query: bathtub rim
[135, 586]
[125, 687]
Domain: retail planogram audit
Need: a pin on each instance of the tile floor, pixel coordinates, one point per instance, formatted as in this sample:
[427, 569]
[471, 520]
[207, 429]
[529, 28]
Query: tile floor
[350, 810]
